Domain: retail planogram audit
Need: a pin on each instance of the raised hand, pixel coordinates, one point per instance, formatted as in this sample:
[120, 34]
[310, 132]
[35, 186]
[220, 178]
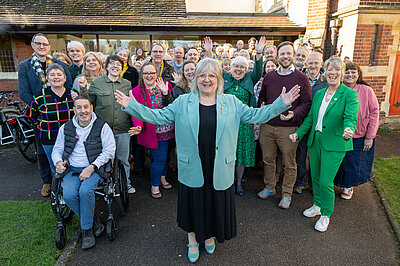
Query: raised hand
[162, 86]
[261, 44]
[208, 44]
[291, 96]
[122, 99]
[294, 137]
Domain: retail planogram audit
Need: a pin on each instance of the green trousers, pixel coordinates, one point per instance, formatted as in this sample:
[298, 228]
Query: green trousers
[324, 166]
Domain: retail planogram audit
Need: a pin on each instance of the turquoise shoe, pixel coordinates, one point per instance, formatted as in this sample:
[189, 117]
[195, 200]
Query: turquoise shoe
[195, 256]
[210, 249]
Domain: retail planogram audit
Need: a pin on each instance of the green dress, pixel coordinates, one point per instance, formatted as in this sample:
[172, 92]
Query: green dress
[245, 151]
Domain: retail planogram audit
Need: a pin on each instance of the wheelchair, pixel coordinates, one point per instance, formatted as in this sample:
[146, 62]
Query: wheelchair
[113, 189]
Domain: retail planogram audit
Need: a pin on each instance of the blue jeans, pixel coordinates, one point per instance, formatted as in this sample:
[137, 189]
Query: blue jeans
[159, 166]
[48, 149]
[79, 195]
[301, 159]
[122, 152]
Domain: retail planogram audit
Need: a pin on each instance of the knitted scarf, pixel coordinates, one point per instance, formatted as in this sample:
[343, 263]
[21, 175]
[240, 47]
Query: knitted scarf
[37, 67]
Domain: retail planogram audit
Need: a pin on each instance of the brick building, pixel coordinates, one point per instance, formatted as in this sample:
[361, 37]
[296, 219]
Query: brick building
[366, 31]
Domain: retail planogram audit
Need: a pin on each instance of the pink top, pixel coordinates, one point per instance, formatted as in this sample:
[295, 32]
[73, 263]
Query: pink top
[148, 136]
[368, 115]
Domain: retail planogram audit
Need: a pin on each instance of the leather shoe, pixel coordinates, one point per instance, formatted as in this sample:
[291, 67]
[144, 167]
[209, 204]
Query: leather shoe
[46, 189]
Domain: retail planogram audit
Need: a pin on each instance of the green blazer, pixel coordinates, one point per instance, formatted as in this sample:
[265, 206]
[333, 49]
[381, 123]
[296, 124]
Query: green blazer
[247, 82]
[184, 112]
[341, 113]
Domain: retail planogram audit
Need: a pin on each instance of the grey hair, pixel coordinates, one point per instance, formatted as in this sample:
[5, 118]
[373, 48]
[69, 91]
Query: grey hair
[215, 67]
[54, 66]
[240, 60]
[336, 62]
[268, 46]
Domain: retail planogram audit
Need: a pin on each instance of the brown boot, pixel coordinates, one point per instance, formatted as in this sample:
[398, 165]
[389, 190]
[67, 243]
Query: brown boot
[46, 189]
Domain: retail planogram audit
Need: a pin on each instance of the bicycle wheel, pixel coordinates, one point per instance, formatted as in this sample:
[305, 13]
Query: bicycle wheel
[27, 146]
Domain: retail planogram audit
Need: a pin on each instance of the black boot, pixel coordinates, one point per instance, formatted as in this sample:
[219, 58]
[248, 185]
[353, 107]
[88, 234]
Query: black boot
[88, 240]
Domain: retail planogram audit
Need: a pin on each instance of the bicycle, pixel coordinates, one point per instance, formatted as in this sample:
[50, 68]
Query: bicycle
[16, 126]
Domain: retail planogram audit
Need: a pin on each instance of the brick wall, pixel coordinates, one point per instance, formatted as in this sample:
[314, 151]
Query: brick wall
[344, 5]
[377, 83]
[317, 14]
[363, 43]
[22, 51]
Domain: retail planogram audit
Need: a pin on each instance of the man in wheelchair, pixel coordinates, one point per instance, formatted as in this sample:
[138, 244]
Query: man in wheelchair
[83, 147]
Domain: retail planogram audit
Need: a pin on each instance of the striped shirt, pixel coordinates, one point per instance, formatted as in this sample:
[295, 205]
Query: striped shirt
[51, 112]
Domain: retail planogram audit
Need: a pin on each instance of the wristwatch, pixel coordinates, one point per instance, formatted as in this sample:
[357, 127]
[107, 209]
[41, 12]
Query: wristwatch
[94, 166]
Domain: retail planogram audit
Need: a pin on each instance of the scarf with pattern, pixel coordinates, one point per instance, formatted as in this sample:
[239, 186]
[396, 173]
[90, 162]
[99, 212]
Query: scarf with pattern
[37, 67]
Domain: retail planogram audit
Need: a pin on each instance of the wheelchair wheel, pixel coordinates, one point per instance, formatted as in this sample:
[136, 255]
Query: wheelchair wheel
[121, 188]
[57, 202]
[60, 237]
[111, 229]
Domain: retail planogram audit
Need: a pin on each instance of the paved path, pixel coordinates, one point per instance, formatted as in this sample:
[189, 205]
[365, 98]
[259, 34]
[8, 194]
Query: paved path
[359, 233]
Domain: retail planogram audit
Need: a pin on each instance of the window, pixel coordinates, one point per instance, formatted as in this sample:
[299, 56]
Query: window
[7, 63]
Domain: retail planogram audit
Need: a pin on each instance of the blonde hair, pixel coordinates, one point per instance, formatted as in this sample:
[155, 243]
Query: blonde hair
[58, 55]
[215, 67]
[336, 62]
[76, 45]
[85, 72]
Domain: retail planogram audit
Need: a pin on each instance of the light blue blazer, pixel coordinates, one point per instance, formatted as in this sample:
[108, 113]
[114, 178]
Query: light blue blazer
[184, 112]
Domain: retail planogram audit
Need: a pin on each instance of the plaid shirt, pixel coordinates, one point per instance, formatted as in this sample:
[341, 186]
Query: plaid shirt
[51, 112]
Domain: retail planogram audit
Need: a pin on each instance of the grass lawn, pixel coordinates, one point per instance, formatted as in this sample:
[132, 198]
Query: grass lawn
[388, 173]
[27, 231]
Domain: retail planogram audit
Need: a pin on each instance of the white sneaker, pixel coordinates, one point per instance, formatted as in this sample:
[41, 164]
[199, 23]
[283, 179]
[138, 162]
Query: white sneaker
[312, 212]
[322, 224]
[131, 190]
[347, 193]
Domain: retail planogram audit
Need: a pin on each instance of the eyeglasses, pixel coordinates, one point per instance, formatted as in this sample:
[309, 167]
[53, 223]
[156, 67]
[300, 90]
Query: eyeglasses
[115, 64]
[210, 77]
[215, 45]
[41, 43]
[149, 73]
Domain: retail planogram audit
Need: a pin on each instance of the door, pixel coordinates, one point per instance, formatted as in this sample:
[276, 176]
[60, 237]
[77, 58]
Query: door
[394, 98]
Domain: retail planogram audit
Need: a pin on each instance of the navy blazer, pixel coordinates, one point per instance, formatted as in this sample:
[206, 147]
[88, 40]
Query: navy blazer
[29, 83]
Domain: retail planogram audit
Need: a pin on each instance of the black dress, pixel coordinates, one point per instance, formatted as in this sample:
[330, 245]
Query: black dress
[205, 211]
